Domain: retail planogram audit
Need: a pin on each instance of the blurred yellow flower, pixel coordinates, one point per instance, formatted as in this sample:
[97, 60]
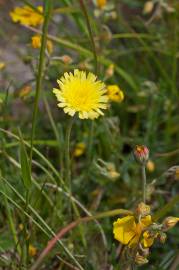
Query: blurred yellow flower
[115, 93]
[32, 250]
[2, 65]
[36, 43]
[148, 7]
[27, 16]
[150, 165]
[101, 3]
[79, 149]
[81, 93]
[128, 232]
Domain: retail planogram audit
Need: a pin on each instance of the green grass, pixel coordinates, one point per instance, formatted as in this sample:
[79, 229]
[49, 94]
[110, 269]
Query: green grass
[43, 185]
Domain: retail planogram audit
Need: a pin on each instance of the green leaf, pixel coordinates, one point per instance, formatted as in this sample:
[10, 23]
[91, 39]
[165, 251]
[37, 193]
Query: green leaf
[25, 167]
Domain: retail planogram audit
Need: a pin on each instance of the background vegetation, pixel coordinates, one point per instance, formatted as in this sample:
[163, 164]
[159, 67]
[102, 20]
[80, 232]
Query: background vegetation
[143, 46]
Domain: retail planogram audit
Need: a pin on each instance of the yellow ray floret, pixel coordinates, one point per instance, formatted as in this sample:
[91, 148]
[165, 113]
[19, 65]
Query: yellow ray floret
[27, 16]
[81, 93]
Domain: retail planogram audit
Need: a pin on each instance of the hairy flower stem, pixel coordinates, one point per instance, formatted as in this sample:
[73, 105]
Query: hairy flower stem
[144, 181]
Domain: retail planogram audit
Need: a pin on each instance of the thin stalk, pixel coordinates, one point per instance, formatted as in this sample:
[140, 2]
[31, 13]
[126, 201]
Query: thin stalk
[90, 143]
[91, 135]
[48, 8]
[68, 174]
[144, 182]
[55, 130]
[67, 154]
[83, 8]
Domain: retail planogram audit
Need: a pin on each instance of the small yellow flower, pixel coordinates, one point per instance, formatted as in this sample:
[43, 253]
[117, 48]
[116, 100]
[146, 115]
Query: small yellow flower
[150, 165]
[128, 232]
[115, 93]
[2, 65]
[27, 16]
[81, 93]
[32, 250]
[79, 149]
[49, 46]
[21, 227]
[101, 3]
[36, 43]
[148, 7]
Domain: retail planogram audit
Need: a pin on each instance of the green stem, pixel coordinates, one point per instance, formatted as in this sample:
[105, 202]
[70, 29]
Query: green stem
[48, 8]
[90, 143]
[56, 133]
[83, 7]
[144, 182]
[67, 154]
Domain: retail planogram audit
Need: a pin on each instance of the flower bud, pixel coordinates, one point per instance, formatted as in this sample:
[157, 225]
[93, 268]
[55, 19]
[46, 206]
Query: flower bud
[110, 71]
[101, 3]
[141, 154]
[66, 59]
[143, 209]
[169, 223]
[140, 260]
[148, 7]
[150, 166]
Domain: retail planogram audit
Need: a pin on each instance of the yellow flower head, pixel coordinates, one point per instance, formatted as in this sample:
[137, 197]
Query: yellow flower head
[150, 166]
[27, 16]
[81, 93]
[2, 65]
[36, 43]
[32, 250]
[79, 149]
[101, 3]
[128, 232]
[115, 93]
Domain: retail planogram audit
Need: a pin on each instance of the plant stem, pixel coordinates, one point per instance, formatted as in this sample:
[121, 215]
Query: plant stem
[144, 181]
[67, 154]
[48, 8]
[83, 7]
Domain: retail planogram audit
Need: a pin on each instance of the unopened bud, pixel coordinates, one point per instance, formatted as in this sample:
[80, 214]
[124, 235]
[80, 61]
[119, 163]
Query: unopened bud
[110, 71]
[66, 59]
[143, 209]
[141, 153]
[148, 7]
[140, 260]
[150, 166]
[169, 223]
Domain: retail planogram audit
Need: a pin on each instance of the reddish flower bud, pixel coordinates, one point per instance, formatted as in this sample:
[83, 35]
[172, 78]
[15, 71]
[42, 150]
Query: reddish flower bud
[141, 153]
